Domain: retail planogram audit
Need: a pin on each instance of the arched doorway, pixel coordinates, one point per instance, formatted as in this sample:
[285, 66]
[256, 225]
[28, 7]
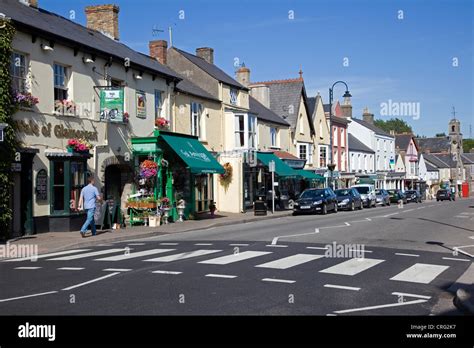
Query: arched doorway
[116, 176]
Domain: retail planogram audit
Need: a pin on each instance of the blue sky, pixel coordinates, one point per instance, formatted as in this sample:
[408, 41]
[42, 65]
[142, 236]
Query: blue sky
[407, 60]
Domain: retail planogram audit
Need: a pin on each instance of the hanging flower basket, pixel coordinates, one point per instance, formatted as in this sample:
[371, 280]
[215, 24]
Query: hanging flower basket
[162, 123]
[148, 169]
[226, 177]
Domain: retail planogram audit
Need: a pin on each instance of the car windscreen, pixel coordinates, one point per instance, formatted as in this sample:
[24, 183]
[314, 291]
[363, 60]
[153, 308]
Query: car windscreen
[392, 192]
[379, 192]
[362, 189]
[342, 193]
[312, 194]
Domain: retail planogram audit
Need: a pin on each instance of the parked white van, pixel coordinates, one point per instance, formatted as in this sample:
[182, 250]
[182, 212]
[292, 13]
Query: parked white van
[367, 194]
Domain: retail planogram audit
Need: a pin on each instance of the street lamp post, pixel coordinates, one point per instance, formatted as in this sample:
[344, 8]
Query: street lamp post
[332, 165]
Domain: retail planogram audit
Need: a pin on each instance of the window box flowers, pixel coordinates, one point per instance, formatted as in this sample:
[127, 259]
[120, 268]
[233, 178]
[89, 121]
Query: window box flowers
[162, 123]
[25, 100]
[78, 145]
[148, 169]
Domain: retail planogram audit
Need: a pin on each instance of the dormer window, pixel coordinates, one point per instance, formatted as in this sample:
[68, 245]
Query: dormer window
[233, 96]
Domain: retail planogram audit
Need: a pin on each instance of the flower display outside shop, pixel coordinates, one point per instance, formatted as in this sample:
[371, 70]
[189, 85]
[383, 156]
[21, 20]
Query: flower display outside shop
[26, 100]
[165, 202]
[162, 123]
[148, 169]
[78, 145]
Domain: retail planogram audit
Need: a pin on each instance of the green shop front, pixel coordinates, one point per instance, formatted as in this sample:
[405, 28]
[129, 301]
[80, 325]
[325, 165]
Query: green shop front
[184, 174]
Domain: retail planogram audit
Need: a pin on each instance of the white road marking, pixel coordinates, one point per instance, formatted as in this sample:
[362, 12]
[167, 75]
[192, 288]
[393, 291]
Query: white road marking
[182, 256]
[462, 217]
[406, 211]
[169, 243]
[117, 270]
[278, 280]
[410, 295]
[361, 251]
[316, 230]
[136, 244]
[220, 276]
[472, 237]
[290, 261]
[420, 273]
[70, 269]
[225, 260]
[347, 224]
[27, 296]
[28, 267]
[48, 255]
[81, 256]
[134, 255]
[454, 259]
[91, 281]
[275, 240]
[389, 215]
[352, 267]
[402, 254]
[341, 287]
[381, 306]
[237, 244]
[167, 272]
[277, 245]
[420, 208]
[331, 315]
[368, 219]
[318, 248]
[203, 244]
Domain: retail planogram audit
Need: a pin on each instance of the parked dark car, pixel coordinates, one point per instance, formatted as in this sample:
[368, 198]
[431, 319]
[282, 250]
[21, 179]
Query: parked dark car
[397, 195]
[445, 195]
[316, 200]
[382, 197]
[413, 196]
[349, 199]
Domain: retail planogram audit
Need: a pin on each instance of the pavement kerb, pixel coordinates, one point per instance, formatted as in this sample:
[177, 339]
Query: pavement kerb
[158, 233]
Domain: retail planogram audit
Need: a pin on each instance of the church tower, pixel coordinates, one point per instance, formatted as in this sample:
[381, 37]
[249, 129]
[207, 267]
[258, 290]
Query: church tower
[455, 136]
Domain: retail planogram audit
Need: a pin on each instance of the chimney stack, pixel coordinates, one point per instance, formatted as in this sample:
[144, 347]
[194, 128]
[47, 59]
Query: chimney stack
[159, 50]
[367, 116]
[206, 53]
[346, 107]
[243, 75]
[104, 18]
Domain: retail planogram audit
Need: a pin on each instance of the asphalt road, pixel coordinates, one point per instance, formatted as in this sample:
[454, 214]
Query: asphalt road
[379, 261]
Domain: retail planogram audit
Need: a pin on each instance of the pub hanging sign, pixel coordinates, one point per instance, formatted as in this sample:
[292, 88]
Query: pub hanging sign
[42, 185]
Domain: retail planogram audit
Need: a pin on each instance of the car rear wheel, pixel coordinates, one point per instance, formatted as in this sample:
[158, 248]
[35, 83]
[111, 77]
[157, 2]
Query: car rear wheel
[335, 207]
[324, 209]
[352, 206]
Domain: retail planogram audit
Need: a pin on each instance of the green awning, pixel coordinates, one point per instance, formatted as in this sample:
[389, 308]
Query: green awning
[193, 153]
[281, 168]
[306, 174]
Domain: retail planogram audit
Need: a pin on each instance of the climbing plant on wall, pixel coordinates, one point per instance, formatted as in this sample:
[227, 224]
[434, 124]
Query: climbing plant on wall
[9, 144]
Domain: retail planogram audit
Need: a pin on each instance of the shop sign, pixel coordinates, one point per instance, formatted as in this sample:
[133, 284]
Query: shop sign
[42, 185]
[200, 156]
[146, 147]
[61, 132]
[140, 101]
[111, 104]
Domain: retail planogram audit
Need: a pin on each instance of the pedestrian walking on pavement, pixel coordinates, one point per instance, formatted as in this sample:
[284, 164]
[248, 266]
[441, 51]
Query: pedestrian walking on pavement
[89, 197]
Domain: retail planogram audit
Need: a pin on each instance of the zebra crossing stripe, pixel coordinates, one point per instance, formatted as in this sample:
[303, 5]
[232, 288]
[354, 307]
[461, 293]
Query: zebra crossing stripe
[225, 260]
[182, 256]
[420, 273]
[352, 267]
[81, 256]
[134, 255]
[48, 255]
[290, 261]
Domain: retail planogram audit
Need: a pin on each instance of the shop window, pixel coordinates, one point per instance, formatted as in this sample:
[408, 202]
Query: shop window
[252, 144]
[203, 193]
[19, 72]
[67, 180]
[60, 82]
[239, 131]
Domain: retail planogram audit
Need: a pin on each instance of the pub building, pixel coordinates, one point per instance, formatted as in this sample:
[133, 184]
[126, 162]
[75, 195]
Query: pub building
[90, 95]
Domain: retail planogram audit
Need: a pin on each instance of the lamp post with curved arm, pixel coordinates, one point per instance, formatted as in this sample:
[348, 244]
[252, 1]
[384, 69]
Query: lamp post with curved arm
[331, 165]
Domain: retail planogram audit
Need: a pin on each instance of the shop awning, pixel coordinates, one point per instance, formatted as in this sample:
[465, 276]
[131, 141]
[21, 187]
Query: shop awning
[306, 174]
[193, 153]
[281, 168]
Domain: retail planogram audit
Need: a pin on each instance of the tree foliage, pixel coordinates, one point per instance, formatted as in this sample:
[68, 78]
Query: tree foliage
[467, 145]
[394, 124]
